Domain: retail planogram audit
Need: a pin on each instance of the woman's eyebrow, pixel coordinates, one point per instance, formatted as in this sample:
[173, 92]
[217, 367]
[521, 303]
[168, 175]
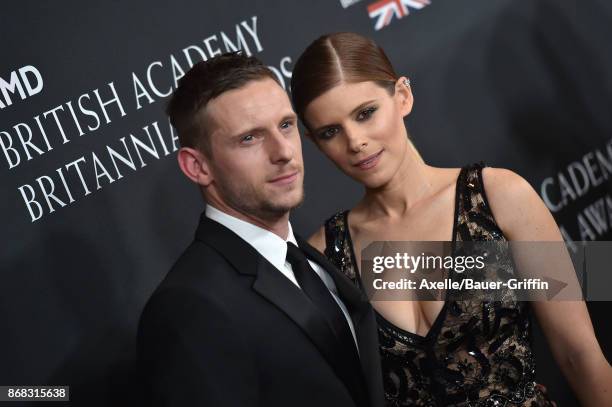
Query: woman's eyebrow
[361, 106]
[355, 110]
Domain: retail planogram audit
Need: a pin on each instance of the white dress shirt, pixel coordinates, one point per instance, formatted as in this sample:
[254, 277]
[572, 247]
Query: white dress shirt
[274, 249]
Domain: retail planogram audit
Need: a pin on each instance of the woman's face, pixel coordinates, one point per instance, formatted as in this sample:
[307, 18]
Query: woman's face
[360, 127]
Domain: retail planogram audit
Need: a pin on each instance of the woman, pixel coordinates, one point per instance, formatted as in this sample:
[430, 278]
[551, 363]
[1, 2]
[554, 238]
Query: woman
[434, 353]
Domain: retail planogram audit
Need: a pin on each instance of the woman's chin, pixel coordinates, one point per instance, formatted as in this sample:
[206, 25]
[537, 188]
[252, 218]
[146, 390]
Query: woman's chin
[370, 181]
[373, 185]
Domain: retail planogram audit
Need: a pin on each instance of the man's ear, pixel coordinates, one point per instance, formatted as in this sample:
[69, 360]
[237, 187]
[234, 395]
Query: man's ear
[403, 94]
[195, 165]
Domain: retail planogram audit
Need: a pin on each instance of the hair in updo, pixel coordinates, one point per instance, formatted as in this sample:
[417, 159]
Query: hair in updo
[338, 58]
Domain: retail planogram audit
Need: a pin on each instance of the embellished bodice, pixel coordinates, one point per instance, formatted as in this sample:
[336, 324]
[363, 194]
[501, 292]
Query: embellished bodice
[477, 353]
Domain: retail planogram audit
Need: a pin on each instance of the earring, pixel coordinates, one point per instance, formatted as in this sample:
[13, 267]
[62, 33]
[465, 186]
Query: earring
[407, 82]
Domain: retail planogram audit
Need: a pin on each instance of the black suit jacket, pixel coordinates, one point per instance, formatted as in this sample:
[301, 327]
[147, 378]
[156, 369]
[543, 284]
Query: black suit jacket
[226, 328]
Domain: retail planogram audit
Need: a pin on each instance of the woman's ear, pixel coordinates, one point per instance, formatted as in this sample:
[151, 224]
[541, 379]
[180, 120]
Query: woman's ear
[195, 165]
[403, 95]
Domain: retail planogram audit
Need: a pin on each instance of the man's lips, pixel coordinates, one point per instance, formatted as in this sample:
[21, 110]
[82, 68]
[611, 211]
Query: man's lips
[285, 179]
[369, 161]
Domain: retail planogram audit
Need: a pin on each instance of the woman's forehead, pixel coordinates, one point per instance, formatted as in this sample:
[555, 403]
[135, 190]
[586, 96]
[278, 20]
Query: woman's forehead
[342, 99]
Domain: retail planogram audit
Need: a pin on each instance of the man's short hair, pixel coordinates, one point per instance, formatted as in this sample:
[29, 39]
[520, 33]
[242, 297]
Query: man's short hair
[203, 82]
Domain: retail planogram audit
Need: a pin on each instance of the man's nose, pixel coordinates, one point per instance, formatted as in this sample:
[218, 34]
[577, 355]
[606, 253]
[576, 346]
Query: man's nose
[281, 148]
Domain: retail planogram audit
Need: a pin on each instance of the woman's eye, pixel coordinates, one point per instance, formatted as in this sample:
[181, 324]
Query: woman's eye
[365, 114]
[329, 133]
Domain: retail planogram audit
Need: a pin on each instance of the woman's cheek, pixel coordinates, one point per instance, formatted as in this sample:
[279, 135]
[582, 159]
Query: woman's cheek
[378, 129]
[334, 153]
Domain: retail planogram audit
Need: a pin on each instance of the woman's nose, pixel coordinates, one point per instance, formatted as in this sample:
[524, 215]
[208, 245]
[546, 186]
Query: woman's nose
[356, 140]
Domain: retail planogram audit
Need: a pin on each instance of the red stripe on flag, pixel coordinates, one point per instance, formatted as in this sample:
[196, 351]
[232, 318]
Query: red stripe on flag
[380, 3]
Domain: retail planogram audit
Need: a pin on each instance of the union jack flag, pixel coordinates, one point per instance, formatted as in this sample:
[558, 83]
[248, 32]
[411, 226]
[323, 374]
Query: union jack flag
[384, 10]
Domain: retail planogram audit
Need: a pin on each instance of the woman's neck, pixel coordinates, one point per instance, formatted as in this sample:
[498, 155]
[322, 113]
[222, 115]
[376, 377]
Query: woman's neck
[413, 181]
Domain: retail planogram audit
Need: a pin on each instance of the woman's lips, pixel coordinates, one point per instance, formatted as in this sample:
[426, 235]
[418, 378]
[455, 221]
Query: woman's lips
[285, 179]
[369, 162]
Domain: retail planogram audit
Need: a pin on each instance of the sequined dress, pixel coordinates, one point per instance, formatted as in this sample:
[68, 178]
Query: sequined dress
[477, 353]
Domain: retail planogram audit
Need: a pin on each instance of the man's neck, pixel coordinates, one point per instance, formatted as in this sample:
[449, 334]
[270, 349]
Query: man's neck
[279, 225]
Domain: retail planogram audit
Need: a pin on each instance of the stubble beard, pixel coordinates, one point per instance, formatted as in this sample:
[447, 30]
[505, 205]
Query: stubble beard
[250, 201]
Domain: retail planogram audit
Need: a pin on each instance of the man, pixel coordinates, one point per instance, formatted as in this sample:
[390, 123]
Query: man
[243, 319]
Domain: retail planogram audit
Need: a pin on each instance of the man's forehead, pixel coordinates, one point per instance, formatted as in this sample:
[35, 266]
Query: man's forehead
[253, 96]
[255, 103]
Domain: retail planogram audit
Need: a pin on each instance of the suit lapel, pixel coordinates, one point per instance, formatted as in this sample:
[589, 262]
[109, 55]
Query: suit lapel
[228, 244]
[352, 296]
[280, 291]
[363, 319]
[277, 289]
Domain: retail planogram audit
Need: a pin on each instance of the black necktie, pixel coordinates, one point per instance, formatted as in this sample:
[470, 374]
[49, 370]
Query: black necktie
[317, 291]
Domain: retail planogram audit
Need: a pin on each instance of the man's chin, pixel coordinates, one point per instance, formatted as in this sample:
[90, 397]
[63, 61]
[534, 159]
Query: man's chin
[287, 202]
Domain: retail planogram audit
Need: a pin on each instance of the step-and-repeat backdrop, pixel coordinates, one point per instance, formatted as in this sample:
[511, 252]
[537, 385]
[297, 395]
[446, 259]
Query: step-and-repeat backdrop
[94, 210]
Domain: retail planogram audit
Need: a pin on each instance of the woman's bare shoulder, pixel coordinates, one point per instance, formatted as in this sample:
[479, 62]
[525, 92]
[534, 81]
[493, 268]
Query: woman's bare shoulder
[517, 207]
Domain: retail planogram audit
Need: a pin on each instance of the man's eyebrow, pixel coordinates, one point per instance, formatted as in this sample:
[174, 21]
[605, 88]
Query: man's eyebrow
[288, 116]
[361, 106]
[241, 133]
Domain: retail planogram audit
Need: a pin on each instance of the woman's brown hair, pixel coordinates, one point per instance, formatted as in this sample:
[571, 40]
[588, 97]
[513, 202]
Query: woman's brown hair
[334, 59]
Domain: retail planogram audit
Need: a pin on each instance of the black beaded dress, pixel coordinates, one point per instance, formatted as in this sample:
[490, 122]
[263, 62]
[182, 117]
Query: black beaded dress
[477, 353]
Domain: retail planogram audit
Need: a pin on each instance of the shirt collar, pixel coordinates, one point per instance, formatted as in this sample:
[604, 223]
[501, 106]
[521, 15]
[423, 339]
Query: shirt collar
[271, 246]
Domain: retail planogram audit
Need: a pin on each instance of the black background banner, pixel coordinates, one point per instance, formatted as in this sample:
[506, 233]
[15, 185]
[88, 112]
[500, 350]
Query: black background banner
[94, 209]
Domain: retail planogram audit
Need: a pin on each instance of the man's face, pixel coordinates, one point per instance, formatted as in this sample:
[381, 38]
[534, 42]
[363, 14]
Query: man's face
[256, 161]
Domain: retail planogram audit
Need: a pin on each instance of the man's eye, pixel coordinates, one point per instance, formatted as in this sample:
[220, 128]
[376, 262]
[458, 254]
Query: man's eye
[287, 124]
[365, 114]
[329, 133]
[247, 139]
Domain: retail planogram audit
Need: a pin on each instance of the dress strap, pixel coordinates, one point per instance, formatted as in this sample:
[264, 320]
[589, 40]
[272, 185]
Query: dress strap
[338, 247]
[474, 218]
